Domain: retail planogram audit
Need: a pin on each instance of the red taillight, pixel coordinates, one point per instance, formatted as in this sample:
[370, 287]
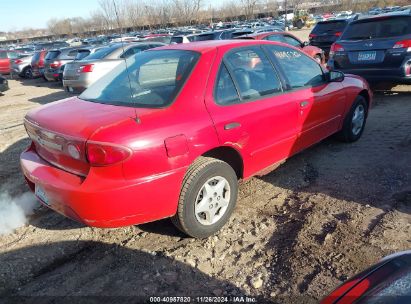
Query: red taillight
[335, 47]
[87, 68]
[18, 61]
[55, 64]
[104, 154]
[312, 36]
[402, 44]
[338, 34]
[408, 69]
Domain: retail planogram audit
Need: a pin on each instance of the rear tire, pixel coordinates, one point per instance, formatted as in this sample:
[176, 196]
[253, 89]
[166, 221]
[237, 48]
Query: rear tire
[354, 122]
[27, 73]
[207, 199]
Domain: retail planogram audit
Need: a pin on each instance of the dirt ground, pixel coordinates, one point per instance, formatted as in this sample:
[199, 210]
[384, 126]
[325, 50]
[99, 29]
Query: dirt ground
[296, 233]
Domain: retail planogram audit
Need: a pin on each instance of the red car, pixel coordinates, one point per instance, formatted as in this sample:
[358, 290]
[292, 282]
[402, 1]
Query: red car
[285, 37]
[169, 133]
[5, 60]
[388, 282]
[37, 63]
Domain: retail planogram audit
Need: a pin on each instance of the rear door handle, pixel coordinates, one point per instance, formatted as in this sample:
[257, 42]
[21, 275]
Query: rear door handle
[232, 125]
[304, 103]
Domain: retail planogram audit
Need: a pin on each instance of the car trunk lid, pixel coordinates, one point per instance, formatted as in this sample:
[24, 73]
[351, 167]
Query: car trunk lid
[60, 130]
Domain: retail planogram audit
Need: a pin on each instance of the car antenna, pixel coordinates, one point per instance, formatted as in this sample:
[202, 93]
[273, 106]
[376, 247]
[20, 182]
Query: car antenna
[136, 118]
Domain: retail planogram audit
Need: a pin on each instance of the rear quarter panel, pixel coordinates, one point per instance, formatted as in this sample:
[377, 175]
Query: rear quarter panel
[354, 85]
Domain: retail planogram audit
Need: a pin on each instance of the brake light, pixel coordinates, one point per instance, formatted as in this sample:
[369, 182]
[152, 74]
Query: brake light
[402, 44]
[336, 47]
[312, 36]
[55, 64]
[104, 154]
[18, 61]
[408, 69]
[87, 68]
[338, 34]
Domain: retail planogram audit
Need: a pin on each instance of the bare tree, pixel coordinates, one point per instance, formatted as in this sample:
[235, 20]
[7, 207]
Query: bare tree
[248, 8]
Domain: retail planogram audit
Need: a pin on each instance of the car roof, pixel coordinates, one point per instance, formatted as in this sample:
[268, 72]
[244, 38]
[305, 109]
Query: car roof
[209, 45]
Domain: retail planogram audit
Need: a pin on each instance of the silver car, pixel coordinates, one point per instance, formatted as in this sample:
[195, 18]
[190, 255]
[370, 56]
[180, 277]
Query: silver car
[22, 66]
[79, 75]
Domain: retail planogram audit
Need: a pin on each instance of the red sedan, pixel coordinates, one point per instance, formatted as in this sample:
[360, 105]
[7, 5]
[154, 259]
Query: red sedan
[169, 132]
[285, 37]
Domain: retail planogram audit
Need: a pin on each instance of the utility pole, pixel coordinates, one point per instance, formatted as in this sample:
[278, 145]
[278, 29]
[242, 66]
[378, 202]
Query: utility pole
[285, 16]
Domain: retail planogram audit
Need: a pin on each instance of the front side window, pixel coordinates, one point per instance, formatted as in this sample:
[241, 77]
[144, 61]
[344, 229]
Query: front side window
[292, 41]
[300, 70]
[253, 73]
[152, 79]
[277, 38]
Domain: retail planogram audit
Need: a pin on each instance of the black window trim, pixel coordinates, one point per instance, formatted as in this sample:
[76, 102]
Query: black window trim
[241, 100]
[288, 87]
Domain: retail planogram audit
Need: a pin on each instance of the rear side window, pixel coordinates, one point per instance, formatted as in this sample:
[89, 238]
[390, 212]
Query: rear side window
[329, 27]
[253, 73]
[82, 54]
[378, 28]
[52, 55]
[3, 55]
[101, 53]
[152, 79]
[300, 70]
[225, 92]
[134, 50]
[13, 55]
[177, 40]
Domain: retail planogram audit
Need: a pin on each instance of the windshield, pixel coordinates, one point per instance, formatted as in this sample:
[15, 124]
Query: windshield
[101, 53]
[378, 28]
[329, 27]
[52, 54]
[151, 79]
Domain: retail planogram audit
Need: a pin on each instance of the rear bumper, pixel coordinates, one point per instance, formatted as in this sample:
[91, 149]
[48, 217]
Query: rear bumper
[396, 75]
[100, 201]
[78, 84]
[51, 75]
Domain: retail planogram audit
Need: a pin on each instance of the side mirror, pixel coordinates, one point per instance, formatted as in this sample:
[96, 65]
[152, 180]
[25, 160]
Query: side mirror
[335, 76]
[306, 43]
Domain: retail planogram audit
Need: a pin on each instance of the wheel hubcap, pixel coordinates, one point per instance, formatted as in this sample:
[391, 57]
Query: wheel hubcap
[212, 200]
[357, 122]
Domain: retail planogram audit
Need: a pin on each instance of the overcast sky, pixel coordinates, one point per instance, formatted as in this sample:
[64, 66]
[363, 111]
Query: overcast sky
[18, 14]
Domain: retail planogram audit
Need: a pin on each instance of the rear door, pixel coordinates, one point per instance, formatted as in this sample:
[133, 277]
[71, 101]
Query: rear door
[381, 42]
[320, 103]
[250, 111]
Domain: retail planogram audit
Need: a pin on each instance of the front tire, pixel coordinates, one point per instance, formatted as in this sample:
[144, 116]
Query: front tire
[207, 199]
[354, 122]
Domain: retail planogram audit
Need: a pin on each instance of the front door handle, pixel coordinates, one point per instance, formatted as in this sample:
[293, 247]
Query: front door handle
[232, 125]
[304, 103]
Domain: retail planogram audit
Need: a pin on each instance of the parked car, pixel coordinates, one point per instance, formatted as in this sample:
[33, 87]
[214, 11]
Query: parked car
[55, 59]
[169, 133]
[4, 85]
[80, 74]
[325, 33]
[377, 48]
[215, 35]
[5, 58]
[22, 67]
[183, 38]
[387, 282]
[37, 64]
[286, 37]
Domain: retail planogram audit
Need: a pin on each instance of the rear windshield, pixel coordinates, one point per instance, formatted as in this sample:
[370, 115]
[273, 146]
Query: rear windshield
[36, 57]
[330, 26]
[52, 55]
[378, 28]
[176, 40]
[152, 79]
[205, 37]
[101, 53]
[81, 54]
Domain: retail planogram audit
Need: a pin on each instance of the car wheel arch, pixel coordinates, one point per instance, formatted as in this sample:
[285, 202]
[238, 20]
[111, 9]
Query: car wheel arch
[229, 155]
[365, 94]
